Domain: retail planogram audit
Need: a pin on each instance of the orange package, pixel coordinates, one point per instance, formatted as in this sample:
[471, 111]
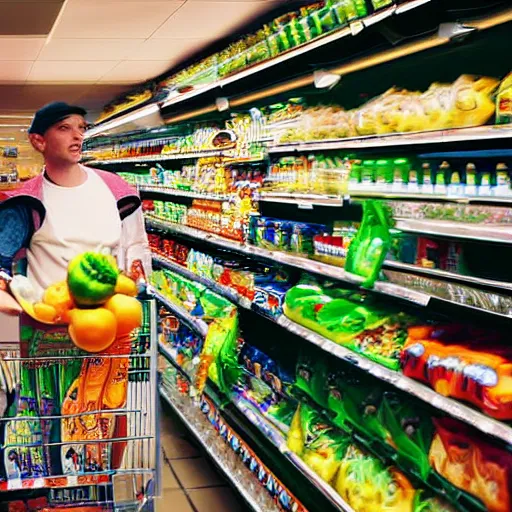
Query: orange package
[477, 467]
[478, 371]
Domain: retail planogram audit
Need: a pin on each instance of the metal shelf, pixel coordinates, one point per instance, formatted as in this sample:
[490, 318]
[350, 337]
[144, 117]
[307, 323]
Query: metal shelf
[445, 275]
[159, 158]
[370, 192]
[303, 201]
[481, 232]
[226, 292]
[353, 29]
[272, 433]
[160, 189]
[398, 139]
[194, 323]
[221, 464]
[448, 405]
[390, 289]
[306, 201]
[277, 439]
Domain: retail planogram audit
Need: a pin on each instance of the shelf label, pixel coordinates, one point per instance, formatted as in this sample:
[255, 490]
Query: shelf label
[356, 27]
[14, 484]
[304, 206]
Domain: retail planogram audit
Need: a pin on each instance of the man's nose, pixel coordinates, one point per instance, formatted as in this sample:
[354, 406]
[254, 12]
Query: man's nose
[78, 134]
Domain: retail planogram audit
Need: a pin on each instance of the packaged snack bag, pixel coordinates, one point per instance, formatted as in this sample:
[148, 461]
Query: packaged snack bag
[319, 444]
[473, 465]
[478, 370]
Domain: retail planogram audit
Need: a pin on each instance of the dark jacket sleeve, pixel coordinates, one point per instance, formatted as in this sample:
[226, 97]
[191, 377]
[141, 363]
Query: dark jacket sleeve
[16, 228]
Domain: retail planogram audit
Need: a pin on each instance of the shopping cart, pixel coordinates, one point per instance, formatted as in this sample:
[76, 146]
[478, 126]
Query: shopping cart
[80, 429]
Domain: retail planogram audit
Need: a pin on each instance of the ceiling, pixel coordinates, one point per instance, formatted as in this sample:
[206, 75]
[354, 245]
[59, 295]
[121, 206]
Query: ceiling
[90, 51]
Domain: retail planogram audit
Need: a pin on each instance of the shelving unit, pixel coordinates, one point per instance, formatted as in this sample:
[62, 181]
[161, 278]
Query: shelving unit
[270, 432]
[458, 218]
[176, 98]
[194, 323]
[414, 296]
[214, 453]
[397, 140]
[452, 407]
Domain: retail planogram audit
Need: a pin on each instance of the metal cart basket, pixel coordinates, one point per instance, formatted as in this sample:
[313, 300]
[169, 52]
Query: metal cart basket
[79, 429]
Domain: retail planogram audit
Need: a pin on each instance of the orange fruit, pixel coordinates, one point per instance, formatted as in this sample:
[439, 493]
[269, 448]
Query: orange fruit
[126, 286]
[92, 330]
[58, 296]
[45, 312]
[128, 312]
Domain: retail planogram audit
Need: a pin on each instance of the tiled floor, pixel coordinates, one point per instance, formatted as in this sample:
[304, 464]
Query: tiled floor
[190, 482]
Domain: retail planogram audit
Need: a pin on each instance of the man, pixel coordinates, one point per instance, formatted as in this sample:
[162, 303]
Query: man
[68, 209]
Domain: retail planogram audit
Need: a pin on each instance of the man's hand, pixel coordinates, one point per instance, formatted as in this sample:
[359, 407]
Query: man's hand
[8, 304]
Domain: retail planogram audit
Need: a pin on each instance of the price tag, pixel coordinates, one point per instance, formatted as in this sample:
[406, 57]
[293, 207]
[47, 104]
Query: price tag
[356, 27]
[14, 484]
[39, 483]
[72, 481]
[305, 206]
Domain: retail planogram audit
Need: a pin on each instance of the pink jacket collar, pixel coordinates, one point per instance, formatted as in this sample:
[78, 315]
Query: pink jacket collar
[31, 192]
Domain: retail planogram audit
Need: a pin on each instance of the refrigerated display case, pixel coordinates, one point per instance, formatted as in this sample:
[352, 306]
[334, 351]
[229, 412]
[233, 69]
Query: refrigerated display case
[333, 269]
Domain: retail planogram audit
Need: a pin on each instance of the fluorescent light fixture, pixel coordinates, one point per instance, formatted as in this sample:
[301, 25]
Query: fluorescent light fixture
[146, 111]
[7, 138]
[14, 126]
[454, 30]
[325, 80]
[222, 104]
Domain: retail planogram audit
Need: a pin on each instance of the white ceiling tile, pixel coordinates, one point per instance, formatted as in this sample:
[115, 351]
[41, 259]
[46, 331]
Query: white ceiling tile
[135, 71]
[96, 19]
[172, 50]
[217, 19]
[14, 71]
[67, 71]
[16, 48]
[89, 49]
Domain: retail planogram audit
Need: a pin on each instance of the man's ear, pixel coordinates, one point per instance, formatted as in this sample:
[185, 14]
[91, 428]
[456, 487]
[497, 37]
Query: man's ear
[37, 142]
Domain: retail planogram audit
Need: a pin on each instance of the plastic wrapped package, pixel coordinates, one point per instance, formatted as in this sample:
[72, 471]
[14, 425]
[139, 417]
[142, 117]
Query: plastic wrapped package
[464, 364]
[319, 444]
[367, 485]
[478, 467]
[355, 322]
[382, 415]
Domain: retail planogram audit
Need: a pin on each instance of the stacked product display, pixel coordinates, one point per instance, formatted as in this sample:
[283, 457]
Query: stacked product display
[334, 283]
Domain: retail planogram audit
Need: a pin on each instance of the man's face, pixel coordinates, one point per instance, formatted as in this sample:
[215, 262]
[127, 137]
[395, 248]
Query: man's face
[62, 142]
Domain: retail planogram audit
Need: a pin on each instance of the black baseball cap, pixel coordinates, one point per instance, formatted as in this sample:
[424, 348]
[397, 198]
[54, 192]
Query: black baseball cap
[52, 113]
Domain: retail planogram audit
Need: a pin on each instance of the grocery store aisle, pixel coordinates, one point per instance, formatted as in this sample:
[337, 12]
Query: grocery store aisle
[190, 483]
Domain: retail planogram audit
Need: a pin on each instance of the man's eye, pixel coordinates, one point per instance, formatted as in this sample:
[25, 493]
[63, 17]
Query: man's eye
[63, 127]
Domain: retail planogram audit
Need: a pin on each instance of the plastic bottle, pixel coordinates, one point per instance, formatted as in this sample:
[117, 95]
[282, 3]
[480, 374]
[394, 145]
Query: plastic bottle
[383, 176]
[470, 188]
[356, 176]
[426, 180]
[443, 171]
[485, 182]
[502, 180]
[401, 167]
[368, 174]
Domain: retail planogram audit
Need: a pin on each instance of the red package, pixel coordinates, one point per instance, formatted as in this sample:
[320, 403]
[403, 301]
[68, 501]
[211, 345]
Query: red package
[475, 371]
[477, 467]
